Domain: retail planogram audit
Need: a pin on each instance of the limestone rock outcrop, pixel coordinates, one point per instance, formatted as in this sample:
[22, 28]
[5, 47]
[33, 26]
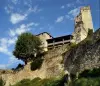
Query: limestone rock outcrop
[52, 66]
[84, 55]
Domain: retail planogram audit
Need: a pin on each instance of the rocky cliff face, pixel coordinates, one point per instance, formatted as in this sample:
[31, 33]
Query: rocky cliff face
[52, 67]
[84, 56]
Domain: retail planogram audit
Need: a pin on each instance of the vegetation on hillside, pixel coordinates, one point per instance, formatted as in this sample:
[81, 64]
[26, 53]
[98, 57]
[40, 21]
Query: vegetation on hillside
[90, 33]
[89, 38]
[27, 47]
[88, 78]
[90, 73]
[1, 82]
[86, 82]
[41, 82]
[18, 68]
[36, 64]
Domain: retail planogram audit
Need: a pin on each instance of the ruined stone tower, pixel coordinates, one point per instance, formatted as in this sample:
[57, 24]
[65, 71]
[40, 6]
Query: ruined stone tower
[83, 22]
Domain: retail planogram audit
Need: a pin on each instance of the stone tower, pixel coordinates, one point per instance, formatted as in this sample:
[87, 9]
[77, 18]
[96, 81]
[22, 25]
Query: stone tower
[83, 22]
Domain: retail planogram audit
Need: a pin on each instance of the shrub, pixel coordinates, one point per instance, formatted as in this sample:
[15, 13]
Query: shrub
[24, 82]
[88, 78]
[87, 82]
[95, 72]
[89, 36]
[91, 73]
[73, 45]
[1, 82]
[50, 82]
[19, 67]
[36, 79]
[84, 73]
[36, 64]
[41, 82]
[90, 33]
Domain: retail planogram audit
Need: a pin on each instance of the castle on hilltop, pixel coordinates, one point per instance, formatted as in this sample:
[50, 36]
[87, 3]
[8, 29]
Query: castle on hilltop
[83, 22]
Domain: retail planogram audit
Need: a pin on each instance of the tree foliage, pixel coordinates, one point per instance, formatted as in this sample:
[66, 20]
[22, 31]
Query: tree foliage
[27, 46]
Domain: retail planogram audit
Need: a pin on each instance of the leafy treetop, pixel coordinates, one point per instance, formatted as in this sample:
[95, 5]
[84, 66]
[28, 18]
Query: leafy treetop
[27, 47]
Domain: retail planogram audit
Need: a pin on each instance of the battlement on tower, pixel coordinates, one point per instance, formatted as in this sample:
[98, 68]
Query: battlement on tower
[85, 8]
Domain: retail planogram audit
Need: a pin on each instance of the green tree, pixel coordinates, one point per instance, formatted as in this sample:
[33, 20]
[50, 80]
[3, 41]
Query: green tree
[27, 47]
